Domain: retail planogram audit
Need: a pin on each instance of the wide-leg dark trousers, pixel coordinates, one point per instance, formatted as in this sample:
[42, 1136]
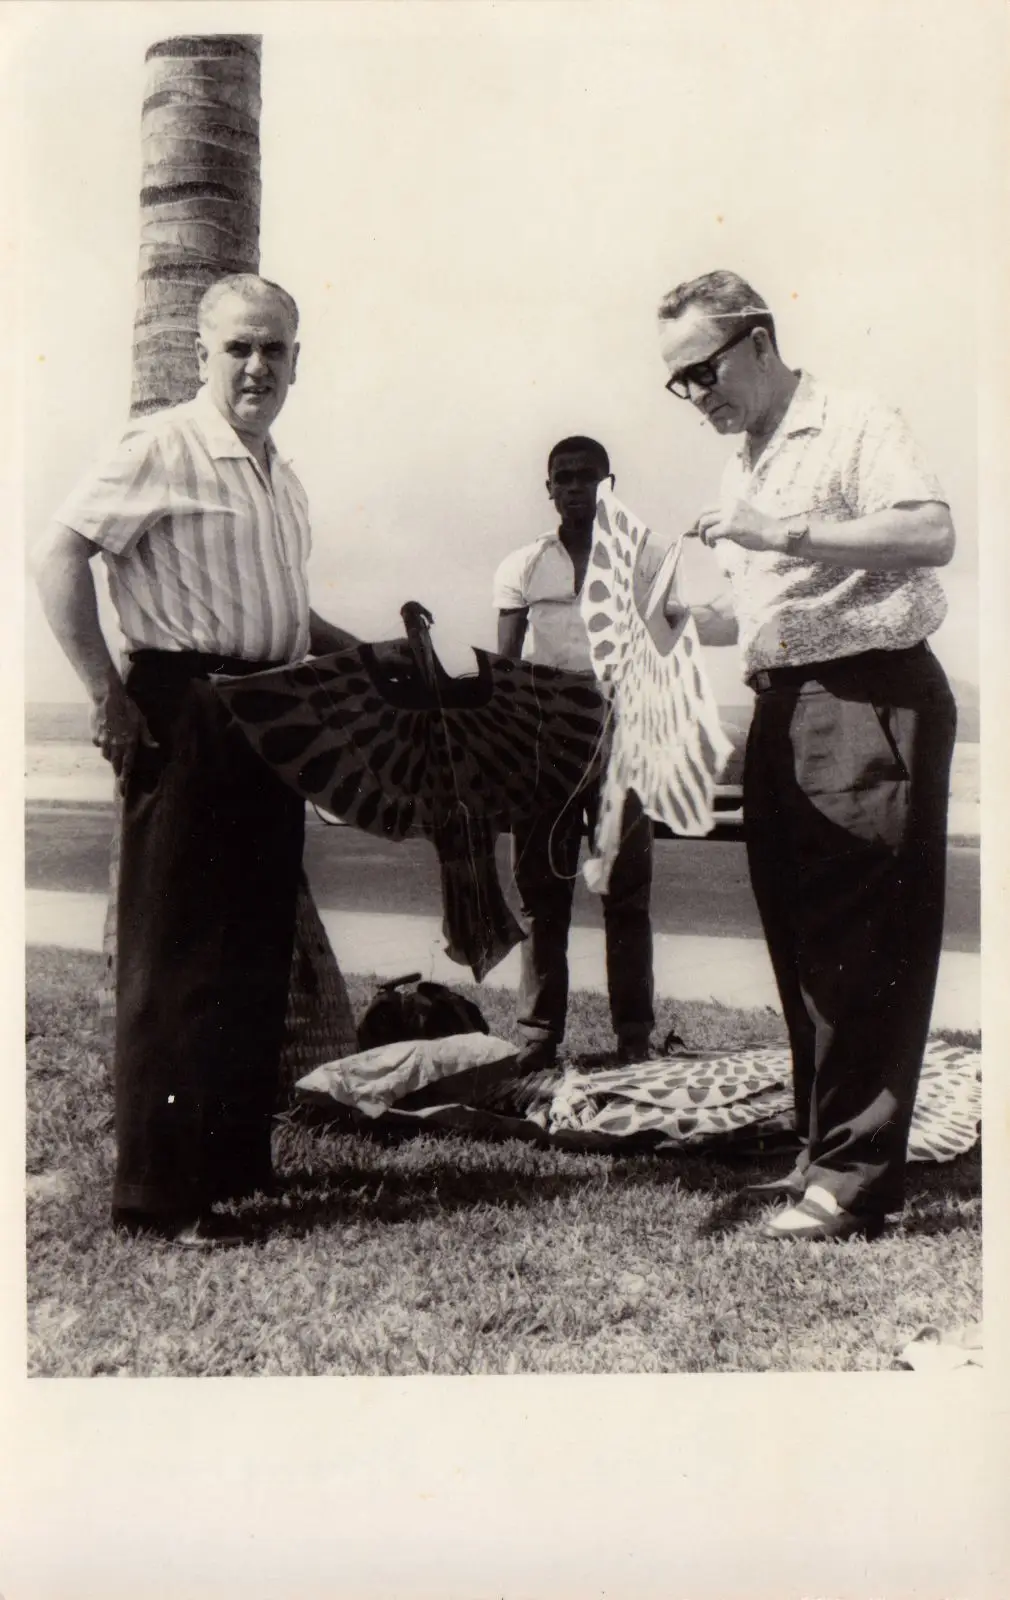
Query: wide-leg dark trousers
[211, 855]
[845, 801]
[545, 861]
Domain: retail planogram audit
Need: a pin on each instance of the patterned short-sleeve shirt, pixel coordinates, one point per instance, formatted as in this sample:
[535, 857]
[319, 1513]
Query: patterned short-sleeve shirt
[539, 578]
[836, 455]
[203, 550]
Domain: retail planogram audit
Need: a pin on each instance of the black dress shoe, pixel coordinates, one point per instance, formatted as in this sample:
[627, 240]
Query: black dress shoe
[535, 1055]
[207, 1232]
[631, 1051]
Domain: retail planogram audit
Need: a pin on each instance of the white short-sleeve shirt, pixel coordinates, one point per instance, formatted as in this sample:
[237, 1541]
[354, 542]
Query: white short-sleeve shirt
[836, 455]
[539, 578]
[204, 552]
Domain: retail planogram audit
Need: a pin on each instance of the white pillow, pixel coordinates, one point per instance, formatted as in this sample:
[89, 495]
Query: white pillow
[374, 1080]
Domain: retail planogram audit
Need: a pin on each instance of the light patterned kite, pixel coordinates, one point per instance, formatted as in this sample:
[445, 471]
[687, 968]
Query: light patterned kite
[667, 741]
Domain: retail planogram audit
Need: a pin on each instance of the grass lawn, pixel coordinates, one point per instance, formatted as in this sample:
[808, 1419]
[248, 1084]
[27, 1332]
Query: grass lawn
[440, 1254]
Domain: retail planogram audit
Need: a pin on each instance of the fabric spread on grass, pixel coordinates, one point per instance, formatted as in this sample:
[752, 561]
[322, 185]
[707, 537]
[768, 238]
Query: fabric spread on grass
[742, 1098]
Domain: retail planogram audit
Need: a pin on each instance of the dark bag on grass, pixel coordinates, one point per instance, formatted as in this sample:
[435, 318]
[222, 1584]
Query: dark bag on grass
[428, 1011]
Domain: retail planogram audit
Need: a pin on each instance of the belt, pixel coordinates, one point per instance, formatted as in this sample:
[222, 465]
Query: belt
[198, 663]
[781, 677]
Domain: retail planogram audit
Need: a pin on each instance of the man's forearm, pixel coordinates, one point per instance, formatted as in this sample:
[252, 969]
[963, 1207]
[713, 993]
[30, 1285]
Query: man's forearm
[715, 621]
[895, 540]
[66, 586]
[325, 638]
[512, 633]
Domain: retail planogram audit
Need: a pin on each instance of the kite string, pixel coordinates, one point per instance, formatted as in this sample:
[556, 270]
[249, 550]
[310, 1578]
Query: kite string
[583, 784]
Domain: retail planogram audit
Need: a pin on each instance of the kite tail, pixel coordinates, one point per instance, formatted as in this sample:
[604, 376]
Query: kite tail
[478, 927]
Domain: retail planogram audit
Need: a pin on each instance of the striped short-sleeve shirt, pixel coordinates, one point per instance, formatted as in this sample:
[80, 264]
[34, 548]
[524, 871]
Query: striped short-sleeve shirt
[204, 551]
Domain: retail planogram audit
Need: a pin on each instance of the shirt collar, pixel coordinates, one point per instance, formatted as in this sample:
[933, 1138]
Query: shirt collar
[222, 440]
[806, 408]
[805, 414]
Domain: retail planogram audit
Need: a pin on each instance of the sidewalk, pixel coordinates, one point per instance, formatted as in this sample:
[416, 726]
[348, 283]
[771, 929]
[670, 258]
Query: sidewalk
[735, 972]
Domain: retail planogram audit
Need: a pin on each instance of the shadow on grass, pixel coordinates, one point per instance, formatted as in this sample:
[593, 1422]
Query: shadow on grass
[439, 1171]
[312, 1199]
[939, 1199]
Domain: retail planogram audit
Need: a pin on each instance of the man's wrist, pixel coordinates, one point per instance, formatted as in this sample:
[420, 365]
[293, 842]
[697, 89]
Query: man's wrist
[793, 533]
[102, 682]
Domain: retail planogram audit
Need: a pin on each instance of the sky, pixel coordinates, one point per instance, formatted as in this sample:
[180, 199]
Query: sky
[478, 208]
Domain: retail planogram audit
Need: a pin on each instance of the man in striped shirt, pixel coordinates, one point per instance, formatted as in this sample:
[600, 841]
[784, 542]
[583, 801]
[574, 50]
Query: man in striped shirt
[204, 531]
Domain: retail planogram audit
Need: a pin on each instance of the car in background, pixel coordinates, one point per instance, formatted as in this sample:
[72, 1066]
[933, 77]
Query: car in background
[729, 790]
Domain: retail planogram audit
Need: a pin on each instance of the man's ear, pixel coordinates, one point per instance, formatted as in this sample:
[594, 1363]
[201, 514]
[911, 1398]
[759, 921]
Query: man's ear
[765, 348]
[294, 362]
[201, 356]
[547, 486]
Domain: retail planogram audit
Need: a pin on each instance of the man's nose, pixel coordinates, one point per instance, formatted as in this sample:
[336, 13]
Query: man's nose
[697, 393]
[256, 362]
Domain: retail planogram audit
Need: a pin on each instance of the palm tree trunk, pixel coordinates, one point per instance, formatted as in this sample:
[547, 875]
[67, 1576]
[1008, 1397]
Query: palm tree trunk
[199, 200]
[200, 212]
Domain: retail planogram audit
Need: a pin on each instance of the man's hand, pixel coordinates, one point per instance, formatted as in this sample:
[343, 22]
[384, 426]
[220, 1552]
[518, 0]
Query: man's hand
[118, 728]
[676, 611]
[745, 526]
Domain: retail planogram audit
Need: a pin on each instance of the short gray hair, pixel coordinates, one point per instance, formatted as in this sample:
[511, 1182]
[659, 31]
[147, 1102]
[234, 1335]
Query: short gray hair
[249, 286]
[723, 296]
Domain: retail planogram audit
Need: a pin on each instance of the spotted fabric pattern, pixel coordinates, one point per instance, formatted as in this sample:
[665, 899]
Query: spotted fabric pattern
[693, 1102]
[370, 743]
[667, 741]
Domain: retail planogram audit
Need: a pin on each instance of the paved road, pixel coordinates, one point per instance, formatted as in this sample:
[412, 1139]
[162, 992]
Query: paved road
[701, 886]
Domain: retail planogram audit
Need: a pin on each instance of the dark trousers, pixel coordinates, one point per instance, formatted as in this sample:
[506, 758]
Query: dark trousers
[845, 800]
[545, 861]
[211, 855]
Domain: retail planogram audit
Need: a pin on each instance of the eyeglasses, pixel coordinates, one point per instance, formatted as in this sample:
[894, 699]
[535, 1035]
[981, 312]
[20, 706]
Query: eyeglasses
[703, 374]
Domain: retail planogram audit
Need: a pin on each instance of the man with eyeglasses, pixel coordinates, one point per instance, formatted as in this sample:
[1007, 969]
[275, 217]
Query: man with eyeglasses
[828, 527]
[537, 593]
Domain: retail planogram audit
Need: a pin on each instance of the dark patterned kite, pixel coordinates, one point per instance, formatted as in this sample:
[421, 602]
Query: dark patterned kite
[385, 739]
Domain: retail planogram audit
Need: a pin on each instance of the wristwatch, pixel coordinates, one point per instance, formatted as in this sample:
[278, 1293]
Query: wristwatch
[796, 530]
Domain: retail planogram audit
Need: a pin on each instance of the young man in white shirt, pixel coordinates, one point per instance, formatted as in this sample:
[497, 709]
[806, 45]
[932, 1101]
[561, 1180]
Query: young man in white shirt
[537, 593]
